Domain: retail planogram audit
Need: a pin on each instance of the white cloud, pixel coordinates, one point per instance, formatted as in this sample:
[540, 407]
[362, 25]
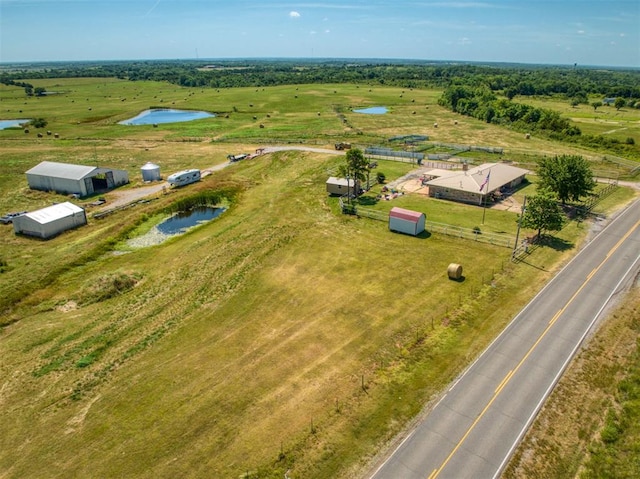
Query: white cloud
[464, 41]
[294, 14]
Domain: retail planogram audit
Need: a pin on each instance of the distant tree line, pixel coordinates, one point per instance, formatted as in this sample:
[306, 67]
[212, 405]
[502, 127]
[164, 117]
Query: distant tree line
[483, 103]
[483, 91]
[508, 79]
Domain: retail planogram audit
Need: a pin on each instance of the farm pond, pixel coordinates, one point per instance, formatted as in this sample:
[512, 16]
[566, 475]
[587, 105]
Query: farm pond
[374, 110]
[176, 224]
[165, 115]
[4, 124]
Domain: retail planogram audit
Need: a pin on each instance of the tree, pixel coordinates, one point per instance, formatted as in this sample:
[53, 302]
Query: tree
[38, 122]
[619, 103]
[356, 167]
[542, 213]
[596, 105]
[568, 176]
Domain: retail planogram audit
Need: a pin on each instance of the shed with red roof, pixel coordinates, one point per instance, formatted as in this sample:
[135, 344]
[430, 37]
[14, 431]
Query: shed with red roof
[406, 221]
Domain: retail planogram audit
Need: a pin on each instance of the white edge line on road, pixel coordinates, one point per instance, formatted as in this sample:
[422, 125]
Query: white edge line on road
[561, 371]
[529, 304]
[504, 331]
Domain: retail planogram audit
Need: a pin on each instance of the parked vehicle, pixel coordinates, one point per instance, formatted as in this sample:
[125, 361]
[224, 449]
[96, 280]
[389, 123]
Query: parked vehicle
[234, 158]
[343, 146]
[8, 218]
[185, 177]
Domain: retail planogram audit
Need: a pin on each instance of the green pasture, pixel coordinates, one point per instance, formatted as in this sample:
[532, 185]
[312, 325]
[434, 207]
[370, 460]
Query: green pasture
[604, 120]
[282, 336]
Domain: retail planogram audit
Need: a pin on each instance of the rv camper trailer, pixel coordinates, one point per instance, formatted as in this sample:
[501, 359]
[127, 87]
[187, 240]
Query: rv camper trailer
[185, 177]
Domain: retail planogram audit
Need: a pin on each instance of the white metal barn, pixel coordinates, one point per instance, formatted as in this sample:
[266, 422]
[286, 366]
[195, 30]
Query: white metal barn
[50, 221]
[66, 178]
[406, 221]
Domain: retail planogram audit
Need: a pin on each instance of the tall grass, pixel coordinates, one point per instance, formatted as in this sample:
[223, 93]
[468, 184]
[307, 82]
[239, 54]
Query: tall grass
[283, 335]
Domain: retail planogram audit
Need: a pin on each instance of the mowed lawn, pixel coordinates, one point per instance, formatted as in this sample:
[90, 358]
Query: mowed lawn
[280, 337]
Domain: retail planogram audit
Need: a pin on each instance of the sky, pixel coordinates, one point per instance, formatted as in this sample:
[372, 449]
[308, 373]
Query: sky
[560, 32]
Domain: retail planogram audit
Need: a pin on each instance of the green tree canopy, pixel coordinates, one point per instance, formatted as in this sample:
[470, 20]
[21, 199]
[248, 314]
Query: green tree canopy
[568, 176]
[355, 166]
[542, 213]
[619, 103]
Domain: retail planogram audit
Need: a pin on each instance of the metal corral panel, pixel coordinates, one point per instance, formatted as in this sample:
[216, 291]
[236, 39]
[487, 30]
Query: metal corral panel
[406, 221]
[50, 221]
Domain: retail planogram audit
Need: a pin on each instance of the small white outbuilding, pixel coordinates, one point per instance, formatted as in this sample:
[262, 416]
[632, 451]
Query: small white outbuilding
[50, 221]
[406, 221]
[342, 186]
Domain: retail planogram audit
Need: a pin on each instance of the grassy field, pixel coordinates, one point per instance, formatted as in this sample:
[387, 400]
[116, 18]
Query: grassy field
[280, 337]
[605, 120]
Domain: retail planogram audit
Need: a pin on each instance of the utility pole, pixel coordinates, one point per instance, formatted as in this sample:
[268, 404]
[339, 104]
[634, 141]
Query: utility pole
[515, 246]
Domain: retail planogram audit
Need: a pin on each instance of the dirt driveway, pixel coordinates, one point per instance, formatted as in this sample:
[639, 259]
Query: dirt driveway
[118, 198]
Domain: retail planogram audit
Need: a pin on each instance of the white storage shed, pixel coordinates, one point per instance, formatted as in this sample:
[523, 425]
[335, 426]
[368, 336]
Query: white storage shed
[342, 186]
[66, 178]
[50, 221]
[406, 221]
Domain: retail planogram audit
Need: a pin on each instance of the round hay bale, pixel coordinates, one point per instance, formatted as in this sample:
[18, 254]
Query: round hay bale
[527, 136]
[454, 271]
[56, 135]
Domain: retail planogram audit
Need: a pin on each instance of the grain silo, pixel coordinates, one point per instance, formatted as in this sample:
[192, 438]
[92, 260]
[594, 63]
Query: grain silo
[151, 172]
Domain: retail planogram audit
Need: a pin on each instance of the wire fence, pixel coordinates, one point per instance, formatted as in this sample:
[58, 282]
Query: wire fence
[474, 234]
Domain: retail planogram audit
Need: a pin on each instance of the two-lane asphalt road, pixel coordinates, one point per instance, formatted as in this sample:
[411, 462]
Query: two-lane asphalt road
[474, 428]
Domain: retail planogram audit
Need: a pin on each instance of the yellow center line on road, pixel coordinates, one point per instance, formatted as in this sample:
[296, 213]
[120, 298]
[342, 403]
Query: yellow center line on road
[504, 381]
[511, 373]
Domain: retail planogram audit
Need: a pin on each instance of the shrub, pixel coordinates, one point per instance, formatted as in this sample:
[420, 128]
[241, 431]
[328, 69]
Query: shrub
[108, 286]
[380, 177]
[39, 122]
